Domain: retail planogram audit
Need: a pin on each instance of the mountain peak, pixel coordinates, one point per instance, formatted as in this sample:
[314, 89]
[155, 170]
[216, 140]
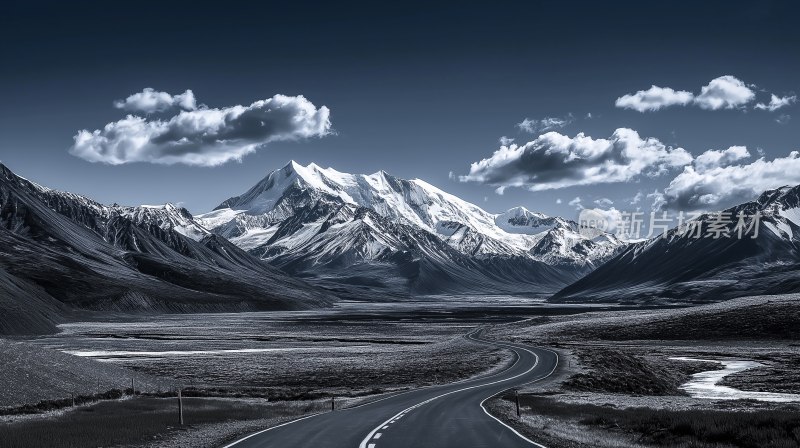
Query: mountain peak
[520, 211]
[311, 194]
[778, 194]
[10, 176]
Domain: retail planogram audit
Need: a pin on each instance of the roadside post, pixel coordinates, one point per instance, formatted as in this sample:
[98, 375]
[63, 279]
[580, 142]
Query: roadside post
[180, 407]
[516, 396]
[333, 403]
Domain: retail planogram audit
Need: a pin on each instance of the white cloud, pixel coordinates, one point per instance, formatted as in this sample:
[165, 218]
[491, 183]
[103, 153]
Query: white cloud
[717, 186]
[654, 98]
[638, 198]
[777, 102]
[534, 126]
[783, 119]
[717, 158]
[149, 101]
[603, 202]
[725, 92]
[505, 141]
[554, 161]
[576, 203]
[659, 202]
[558, 201]
[606, 220]
[204, 137]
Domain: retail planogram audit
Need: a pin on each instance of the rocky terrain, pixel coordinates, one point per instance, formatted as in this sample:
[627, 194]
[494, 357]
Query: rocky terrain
[61, 253]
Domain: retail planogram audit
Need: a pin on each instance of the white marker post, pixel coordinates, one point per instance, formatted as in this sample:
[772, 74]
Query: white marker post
[180, 407]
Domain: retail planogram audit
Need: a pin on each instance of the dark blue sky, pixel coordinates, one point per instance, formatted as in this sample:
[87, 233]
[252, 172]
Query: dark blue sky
[414, 89]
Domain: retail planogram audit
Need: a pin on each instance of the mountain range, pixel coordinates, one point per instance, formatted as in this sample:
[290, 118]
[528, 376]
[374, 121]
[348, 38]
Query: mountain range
[61, 253]
[305, 237]
[682, 268]
[382, 231]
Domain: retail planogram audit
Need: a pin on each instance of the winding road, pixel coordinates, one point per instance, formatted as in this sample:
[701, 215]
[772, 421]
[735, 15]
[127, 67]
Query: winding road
[451, 415]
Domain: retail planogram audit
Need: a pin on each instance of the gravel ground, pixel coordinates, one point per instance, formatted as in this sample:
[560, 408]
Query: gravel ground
[621, 360]
[30, 374]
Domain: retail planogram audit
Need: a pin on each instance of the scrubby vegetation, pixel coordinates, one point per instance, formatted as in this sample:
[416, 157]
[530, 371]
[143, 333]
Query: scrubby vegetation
[52, 405]
[139, 420]
[670, 428]
[615, 371]
[757, 318]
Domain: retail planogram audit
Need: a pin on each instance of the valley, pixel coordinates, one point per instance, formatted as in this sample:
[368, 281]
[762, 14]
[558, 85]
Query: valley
[317, 291]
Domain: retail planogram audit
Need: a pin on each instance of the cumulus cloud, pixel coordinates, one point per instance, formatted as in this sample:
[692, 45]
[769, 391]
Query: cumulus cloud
[718, 158]
[206, 136]
[505, 141]
[150, 101]
[604, 202]
[554, 161]
[654, 98]
[606, 220]
[714, 186]
[777, 102]
[724, 92]
[534, 126]
[576, 202]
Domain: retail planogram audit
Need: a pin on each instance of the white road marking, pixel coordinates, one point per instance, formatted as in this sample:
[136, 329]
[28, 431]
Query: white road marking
[400, 414]
[269, 429]
[512, 429]
[378, 435]
[386, 424]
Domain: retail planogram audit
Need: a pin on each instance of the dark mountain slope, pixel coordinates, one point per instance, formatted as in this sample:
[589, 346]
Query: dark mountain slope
[60, 251]
[681, 267]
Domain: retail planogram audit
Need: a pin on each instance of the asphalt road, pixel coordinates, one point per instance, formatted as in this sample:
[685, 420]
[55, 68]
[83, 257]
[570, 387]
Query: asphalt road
[435, 417]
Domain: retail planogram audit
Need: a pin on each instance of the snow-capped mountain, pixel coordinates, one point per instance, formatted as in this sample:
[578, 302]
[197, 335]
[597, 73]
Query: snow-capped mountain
[308, 218]
[60, 251]
[682, 267]
[166, 217]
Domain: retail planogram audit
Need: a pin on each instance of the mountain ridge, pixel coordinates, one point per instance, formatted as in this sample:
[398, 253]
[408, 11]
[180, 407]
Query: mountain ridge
[297, 214]
[679, 267]
[61, 253]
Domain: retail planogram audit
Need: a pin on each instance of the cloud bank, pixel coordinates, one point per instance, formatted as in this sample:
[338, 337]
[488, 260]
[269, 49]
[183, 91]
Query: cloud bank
[534, 126]
[725, 92]
[204, 136]
[776, 102]
[554, 161]
[150, 101]
[654, 98]
[714, 181]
